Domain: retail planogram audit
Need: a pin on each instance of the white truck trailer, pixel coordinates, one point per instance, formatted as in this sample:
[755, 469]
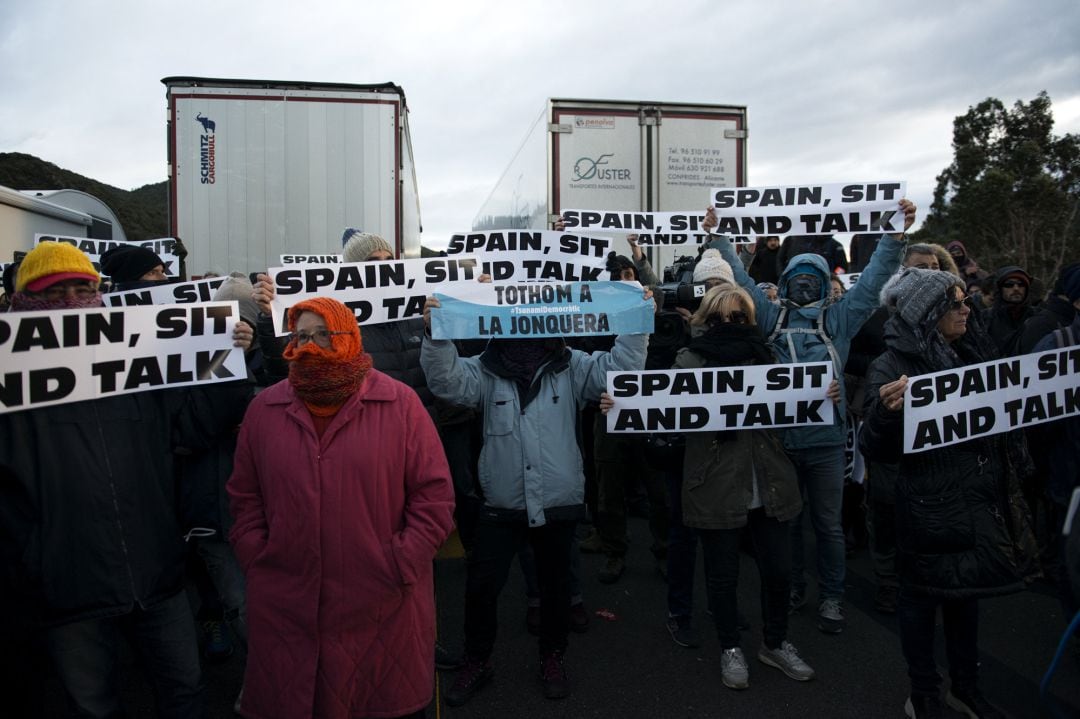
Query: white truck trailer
[619, 155]
[258, 169]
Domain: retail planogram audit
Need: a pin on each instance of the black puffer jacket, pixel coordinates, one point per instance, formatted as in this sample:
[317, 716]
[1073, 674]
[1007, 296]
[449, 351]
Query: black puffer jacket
[87, 500]
[961, 525]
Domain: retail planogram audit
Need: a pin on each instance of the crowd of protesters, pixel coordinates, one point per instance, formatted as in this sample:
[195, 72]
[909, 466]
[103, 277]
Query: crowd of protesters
[311, 496]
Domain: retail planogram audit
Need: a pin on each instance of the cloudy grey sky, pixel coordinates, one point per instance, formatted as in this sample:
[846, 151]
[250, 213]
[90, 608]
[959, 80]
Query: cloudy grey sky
[836, 91]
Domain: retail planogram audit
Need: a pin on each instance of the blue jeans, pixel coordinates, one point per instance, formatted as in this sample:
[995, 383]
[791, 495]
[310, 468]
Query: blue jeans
[85, 656]
[916, 614]
[821, 480]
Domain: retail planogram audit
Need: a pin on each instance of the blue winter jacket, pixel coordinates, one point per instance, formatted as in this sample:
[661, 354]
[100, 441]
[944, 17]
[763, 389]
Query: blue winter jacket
[530, 460]
[843, 319]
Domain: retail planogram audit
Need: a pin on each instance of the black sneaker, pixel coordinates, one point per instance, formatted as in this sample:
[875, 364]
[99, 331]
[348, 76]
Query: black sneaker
[217, 641]
[579, 618]
[969, 702]
[885, 599]
[553, 675]
[923, 707]
[446, 658]
[612, 570]
[796, 601]
[471, 679]
[683, 633]
[831, 616]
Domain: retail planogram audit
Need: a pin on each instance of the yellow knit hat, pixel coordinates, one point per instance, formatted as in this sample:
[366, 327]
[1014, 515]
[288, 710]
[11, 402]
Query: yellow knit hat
[52, 262]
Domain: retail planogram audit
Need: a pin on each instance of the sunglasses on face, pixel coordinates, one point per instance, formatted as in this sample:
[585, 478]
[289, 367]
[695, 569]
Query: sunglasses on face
[1009, 284]
[965, 301]
[735, 318]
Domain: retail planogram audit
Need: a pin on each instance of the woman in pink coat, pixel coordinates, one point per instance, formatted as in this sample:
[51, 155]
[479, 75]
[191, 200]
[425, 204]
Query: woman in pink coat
[342, 496]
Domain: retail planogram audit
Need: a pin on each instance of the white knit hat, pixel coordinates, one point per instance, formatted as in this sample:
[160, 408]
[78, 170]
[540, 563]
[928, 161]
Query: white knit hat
[713, 266]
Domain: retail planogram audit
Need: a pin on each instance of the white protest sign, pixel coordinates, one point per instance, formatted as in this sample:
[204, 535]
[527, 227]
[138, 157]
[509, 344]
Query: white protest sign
[810, 209]
[375, 291]
[167, 293]
[848, 279]
[59, 357]
[555, 247]
[94, 249]
[535, 266]
[651, 228]
[714, 399]
[307, 259]
[956, 405]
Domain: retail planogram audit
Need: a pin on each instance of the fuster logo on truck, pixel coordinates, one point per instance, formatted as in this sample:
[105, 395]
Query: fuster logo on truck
[206, 149]
[587, 168]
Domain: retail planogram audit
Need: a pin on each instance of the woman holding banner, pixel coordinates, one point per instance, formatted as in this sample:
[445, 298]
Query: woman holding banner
[960, 522]
[738, 479]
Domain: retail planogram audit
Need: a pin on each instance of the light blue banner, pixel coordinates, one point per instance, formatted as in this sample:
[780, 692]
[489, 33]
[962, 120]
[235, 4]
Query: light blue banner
[484, 310]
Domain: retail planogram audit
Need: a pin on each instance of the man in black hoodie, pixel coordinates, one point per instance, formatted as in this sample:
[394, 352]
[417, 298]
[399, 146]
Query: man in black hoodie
[764, 263]
[1011, 309]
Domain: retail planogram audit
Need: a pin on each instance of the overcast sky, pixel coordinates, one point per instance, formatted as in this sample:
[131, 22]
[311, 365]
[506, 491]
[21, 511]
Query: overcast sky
[836, 91]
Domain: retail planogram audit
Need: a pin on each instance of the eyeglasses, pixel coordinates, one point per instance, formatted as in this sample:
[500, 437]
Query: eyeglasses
[1009, 284]
[82, 290]
[319, 337]
[955, 304]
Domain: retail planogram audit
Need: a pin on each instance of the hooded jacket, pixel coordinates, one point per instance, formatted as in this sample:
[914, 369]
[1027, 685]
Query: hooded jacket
[960, 521]
[1005, 321]
[843, 319]
[530, 463]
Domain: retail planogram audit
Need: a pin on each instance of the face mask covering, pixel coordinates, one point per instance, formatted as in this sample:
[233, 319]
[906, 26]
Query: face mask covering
[804, 289]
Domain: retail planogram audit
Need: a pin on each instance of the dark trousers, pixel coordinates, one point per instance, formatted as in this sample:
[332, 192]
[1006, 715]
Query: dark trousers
[682, 551]
[488, 566]
[85, 656]
[881, 521]
[458, 442]
[916, 614]
[772, 547]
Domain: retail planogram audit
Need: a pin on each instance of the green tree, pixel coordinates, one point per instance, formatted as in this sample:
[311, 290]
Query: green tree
[1012, 192]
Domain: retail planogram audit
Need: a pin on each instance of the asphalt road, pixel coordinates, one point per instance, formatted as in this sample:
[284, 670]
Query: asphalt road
[628, 667]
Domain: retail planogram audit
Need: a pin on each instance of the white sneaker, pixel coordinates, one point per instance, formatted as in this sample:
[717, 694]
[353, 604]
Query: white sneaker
[786, 658]
[733, 669]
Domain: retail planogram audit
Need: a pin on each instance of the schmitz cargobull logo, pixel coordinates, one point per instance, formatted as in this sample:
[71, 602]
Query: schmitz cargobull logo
[206, 150]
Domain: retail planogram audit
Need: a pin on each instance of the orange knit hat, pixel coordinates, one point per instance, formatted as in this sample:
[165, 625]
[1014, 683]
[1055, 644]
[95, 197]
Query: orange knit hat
[338, 318]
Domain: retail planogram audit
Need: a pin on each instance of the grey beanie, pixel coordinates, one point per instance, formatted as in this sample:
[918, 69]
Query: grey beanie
[361, 246]
[237, 287]
[915, 293]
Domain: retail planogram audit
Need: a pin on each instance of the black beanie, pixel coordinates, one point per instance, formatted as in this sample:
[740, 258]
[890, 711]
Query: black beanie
[617, 263]
[9, 277]
[128, 263]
